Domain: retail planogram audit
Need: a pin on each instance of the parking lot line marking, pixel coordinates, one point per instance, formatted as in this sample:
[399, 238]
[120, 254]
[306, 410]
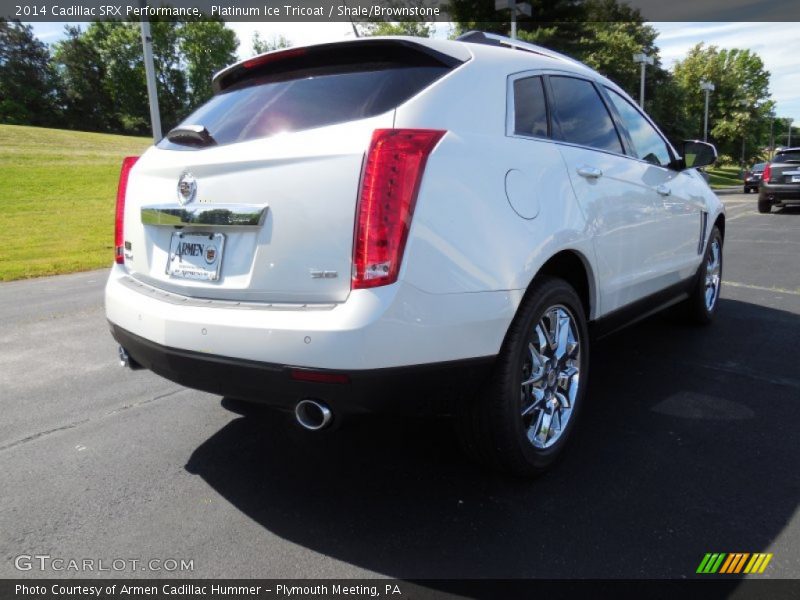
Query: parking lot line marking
[755, 241]
[744, 214]
[762, 288]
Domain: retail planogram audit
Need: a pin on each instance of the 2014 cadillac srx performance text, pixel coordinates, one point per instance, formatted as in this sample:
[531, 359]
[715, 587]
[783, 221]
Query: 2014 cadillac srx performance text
[416, 225]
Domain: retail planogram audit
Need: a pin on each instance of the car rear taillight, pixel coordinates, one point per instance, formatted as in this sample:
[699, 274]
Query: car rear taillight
[765, 176]
[389, 186]
[119, 219]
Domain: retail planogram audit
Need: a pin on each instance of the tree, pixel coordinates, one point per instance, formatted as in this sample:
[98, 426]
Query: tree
[414, 26]
[740, 105]
[411, 28]
[601, 33]
[29, 92]
[207, 47]
[82, 72]
[103, 71]
[275, 42]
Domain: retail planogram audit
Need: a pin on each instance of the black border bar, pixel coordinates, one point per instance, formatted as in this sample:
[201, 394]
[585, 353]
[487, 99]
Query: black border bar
[276, 11]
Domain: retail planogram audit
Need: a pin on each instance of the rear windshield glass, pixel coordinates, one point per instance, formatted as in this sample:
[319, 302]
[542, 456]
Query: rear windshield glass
[270, 104]
[791, 156]
[759, 167]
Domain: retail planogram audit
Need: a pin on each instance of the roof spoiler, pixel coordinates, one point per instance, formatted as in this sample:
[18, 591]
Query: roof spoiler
[351, 50]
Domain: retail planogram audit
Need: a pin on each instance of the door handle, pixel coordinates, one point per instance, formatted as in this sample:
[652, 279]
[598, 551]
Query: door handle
[663, 190]
[589, 172]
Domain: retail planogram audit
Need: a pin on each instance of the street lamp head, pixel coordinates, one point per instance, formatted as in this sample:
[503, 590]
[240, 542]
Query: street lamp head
[707, 86]
[642, 58]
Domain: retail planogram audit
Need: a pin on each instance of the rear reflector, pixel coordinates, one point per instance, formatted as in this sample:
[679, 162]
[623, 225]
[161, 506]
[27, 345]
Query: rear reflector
[119, 218]
[765, 176]
[389, 187]
[318, 376]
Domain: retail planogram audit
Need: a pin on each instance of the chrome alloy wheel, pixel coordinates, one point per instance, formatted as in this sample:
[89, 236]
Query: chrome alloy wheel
[713, 273]
[550, 377]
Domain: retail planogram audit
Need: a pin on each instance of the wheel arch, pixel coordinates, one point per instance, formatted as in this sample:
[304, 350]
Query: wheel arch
[574, 268]
[720, 224]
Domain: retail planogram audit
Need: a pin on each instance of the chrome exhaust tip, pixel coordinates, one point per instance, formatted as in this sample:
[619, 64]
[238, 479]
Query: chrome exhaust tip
[125, 360]
[313, 415]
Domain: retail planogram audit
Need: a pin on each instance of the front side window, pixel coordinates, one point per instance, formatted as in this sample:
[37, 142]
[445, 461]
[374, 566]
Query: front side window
[647, 143]
[530, 110]
[581, 114]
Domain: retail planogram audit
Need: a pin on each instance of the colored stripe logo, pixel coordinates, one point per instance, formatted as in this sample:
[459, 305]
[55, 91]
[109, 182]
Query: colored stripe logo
[733, 563]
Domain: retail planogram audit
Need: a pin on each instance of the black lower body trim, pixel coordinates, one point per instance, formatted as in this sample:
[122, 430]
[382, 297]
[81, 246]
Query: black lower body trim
[643, 308]
[418, 389]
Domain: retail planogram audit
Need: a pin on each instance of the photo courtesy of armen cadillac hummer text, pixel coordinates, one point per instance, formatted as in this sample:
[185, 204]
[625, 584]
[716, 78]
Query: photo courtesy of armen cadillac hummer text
[406, 225]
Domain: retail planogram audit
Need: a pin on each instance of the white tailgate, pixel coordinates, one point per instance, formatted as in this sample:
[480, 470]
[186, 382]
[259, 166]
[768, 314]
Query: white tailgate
[307, 184]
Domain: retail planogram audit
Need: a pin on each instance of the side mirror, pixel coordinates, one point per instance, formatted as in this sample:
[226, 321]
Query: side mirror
[698, 154]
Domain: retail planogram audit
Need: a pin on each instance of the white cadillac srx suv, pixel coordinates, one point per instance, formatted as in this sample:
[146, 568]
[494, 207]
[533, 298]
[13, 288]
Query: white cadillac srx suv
[413, 225]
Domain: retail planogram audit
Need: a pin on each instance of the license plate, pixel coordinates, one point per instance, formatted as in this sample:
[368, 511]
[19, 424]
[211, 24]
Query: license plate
[795, 178]
[195, 255]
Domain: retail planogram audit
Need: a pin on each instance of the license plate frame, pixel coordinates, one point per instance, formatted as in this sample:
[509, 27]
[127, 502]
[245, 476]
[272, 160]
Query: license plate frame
[195, 255]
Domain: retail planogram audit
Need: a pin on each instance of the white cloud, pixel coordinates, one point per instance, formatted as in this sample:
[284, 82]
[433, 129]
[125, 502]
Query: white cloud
[778, 45]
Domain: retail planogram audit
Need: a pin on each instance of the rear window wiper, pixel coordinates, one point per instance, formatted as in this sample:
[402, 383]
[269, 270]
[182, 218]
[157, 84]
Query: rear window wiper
[191, 135]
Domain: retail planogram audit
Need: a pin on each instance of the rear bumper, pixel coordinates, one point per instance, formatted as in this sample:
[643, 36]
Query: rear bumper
[417, 389]
[391, 326]
[393, 342]
[779, 193]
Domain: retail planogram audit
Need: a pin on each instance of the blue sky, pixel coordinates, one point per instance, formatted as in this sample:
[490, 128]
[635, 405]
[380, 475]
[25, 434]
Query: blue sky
[778, 45]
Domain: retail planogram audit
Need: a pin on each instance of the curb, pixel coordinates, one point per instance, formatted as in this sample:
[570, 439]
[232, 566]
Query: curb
[728, 190]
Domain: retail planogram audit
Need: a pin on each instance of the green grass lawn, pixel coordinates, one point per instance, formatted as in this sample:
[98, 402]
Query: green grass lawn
[57, 197]
[721, 177]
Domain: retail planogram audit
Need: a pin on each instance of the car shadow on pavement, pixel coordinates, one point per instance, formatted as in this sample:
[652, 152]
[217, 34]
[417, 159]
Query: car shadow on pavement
[687, 445]
[788, 210]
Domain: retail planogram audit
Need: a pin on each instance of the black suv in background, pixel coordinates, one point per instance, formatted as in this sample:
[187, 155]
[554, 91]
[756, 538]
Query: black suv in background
[780, 182]
[752, 177]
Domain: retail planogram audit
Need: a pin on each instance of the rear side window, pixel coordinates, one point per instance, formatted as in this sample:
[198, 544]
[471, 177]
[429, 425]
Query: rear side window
[582, 116]
[792, 156]
[530, 109]
[647, 143]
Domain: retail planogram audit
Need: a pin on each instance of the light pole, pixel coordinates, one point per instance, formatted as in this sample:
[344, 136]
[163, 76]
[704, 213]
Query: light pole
[515, 7]
[644, 60]
[707, 87]
[771, 134]
[789, 142]
[745, 104]
[150, 75]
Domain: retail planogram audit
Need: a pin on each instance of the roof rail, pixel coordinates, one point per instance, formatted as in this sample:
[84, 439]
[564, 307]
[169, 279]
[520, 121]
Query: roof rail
[493, 39]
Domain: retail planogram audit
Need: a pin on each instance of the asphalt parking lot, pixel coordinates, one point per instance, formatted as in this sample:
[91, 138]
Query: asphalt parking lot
[688, 445]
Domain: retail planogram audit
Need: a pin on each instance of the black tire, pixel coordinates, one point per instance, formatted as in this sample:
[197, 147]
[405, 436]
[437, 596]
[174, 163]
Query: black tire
[746, 190]
[764, 206]
[698, 310]
[491, 426]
